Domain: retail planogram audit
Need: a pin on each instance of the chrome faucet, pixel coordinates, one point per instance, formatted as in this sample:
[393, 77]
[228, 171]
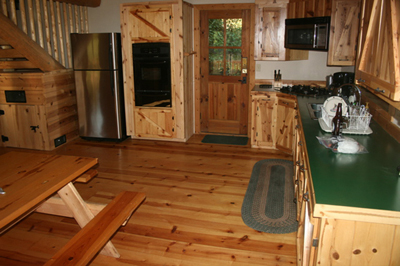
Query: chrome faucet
[339, 92]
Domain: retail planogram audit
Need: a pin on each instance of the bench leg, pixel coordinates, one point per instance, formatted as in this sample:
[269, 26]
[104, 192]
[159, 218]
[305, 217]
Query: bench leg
[82, 213]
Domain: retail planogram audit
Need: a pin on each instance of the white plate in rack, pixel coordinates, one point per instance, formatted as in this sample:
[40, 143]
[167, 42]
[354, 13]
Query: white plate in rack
[331, 104]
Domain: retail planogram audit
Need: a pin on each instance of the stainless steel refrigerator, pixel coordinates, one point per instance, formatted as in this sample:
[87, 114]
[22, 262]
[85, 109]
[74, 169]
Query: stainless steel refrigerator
[97, 66]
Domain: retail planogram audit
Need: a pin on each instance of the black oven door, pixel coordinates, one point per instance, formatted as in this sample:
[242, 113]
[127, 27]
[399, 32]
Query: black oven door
[152, 80]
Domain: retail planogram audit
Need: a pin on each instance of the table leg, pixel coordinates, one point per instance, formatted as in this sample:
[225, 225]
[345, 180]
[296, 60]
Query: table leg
[82, 213]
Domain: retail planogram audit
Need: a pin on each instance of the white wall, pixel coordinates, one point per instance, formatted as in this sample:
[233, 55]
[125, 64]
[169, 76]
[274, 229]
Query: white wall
[106, 18]
[312, 69]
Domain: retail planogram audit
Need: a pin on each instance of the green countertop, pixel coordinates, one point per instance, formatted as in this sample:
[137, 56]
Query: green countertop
[366, 180]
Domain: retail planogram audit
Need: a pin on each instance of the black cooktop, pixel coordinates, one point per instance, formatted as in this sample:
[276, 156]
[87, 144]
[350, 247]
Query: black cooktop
[306, 90]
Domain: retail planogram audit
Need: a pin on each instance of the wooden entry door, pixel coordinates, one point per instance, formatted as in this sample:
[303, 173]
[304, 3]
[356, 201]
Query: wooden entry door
[224, 48]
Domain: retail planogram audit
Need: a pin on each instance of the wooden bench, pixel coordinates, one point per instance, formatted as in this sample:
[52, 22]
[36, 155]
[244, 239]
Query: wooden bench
[82, 248]
[87, 176]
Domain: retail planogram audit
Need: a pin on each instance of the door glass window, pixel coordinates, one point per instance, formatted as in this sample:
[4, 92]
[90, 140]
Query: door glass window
[234, 32]
[225, 47]
[216, 66]
[216, 32]
[233, 62]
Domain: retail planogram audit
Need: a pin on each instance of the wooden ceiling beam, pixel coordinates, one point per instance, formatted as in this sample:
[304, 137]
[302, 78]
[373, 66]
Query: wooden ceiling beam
[88, 3]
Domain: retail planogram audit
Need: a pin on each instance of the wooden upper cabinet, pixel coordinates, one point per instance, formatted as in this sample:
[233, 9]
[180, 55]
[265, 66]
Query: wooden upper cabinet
[343, 32]
[344, 25]
[378, 65]
[309, 8]
[270, 32]
[149, 24]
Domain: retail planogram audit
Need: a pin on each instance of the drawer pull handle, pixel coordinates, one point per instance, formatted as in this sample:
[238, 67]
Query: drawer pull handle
[305, 197]
[300, 143]
[379, 90]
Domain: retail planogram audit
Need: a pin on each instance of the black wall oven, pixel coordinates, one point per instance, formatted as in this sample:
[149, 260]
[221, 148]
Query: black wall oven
[152, 74]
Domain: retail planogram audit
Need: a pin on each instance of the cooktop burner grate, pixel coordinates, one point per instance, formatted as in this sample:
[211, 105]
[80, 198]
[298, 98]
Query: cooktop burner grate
[305, 90]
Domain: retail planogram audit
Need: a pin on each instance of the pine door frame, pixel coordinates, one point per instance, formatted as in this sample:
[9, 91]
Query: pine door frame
[251, 62]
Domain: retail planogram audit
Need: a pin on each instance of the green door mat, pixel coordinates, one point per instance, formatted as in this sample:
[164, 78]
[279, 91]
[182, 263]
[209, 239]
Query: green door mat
[229, 140]
[268, 204]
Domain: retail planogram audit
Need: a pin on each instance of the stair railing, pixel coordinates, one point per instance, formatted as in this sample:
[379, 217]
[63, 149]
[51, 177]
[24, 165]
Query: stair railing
[48, 23]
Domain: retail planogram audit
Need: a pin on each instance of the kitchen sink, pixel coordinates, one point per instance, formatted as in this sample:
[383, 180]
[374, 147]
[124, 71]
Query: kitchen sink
[314, 109]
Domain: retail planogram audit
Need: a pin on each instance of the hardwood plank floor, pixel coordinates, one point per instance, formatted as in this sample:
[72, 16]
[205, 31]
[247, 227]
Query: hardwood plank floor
[191, 216]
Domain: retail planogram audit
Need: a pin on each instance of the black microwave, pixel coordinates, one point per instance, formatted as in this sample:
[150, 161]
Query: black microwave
[307, 33]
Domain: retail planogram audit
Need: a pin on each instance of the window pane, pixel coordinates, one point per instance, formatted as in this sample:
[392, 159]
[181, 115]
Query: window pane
[233, 62]
[216, 61]
[234, 32]
[215, 32]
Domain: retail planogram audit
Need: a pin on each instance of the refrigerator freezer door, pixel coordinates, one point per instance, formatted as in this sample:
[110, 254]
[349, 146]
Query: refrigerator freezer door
[95, 51]
[98, 111]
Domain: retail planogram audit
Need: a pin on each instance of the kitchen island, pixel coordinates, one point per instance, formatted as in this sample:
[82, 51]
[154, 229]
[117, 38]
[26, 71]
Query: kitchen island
[356, 201]
[348, 204]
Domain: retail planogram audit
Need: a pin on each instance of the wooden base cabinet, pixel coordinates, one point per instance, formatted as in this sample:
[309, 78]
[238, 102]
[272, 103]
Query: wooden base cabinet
[263, 122]
[154, 123]
[23, 126]
[347, 242]
[339, 235]
[168, 22]
[284, 124]
[272, 121]
[304, 196]
[44, 115]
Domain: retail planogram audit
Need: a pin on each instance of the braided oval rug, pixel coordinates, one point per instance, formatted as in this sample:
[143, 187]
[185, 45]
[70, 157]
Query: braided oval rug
[268, 204]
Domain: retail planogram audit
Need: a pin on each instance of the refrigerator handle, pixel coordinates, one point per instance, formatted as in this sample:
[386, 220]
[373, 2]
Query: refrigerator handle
[113, 80]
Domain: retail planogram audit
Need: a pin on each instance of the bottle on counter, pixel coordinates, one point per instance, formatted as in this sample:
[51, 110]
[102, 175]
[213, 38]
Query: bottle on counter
[337, 121]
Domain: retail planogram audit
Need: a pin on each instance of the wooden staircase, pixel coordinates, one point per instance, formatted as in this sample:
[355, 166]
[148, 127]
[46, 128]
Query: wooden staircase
[20, 52]
[37, 88]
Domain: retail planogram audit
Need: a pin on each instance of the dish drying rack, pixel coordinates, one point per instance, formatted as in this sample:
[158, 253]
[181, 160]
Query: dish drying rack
[357, 120]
